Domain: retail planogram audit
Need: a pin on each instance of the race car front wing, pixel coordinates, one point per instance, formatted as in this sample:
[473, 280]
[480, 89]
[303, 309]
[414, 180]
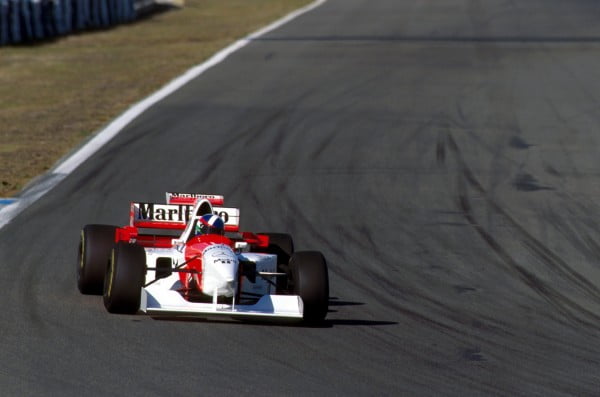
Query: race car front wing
[156, 300]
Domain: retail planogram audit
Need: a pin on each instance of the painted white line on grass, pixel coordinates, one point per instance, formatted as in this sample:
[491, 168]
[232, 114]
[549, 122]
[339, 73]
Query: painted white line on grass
[67, 166]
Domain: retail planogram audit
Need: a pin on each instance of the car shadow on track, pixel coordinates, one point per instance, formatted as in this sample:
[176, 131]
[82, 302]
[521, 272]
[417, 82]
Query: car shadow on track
[356, 322]
[333, 301]
[331, 322]
[327, 323]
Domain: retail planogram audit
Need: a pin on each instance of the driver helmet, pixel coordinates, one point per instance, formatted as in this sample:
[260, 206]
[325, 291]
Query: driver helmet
[210, 224]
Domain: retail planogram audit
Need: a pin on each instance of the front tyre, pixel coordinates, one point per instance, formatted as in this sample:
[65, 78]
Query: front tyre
[95, 244]
[310, 280]
[124, 278]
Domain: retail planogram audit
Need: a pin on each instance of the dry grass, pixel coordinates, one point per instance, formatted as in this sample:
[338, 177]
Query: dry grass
[53, 95]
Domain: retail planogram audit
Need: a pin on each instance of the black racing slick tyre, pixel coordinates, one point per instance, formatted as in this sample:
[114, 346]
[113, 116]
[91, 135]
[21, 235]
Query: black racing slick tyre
[124, 278]
[282, 245]
[95, 245]
[310, 280]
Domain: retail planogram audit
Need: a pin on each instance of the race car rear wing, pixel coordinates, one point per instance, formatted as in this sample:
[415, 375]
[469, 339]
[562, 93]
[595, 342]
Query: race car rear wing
[177, 216]
[192, 198]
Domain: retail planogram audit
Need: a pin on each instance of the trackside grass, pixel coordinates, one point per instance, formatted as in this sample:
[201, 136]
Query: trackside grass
[55, 94]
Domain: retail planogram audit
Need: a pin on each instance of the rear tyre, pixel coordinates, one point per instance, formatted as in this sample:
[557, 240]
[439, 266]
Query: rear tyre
[310, 280]
[124, 278]
[95, 244]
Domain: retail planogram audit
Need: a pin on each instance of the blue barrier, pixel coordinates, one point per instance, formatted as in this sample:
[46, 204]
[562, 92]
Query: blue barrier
[24, 21]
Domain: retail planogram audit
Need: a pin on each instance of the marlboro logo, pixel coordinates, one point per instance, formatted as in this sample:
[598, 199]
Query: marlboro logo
[191, 198]
[162, 212]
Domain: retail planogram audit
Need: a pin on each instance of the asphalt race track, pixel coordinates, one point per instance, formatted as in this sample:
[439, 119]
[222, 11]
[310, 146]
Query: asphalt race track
[443, 155]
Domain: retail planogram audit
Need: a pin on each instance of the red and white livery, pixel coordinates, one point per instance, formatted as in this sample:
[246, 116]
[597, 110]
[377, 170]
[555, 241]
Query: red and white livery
[158, 265]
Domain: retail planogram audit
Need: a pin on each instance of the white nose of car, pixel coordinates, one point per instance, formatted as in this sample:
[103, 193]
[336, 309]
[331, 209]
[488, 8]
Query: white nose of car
[219, 270]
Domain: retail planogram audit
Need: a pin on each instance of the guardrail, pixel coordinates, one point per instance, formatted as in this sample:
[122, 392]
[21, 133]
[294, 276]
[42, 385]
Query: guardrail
[23, 21]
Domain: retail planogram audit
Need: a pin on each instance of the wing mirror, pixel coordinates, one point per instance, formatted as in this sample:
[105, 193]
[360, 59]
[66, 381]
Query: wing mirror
[241, 246]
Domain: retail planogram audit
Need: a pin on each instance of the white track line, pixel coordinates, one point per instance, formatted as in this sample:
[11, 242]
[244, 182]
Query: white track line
[71, 163]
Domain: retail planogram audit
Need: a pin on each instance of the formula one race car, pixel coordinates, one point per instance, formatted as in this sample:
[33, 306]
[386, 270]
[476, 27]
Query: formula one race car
[188, 258]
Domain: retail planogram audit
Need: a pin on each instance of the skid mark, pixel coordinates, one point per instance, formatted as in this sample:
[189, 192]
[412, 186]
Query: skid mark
[565, 305]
